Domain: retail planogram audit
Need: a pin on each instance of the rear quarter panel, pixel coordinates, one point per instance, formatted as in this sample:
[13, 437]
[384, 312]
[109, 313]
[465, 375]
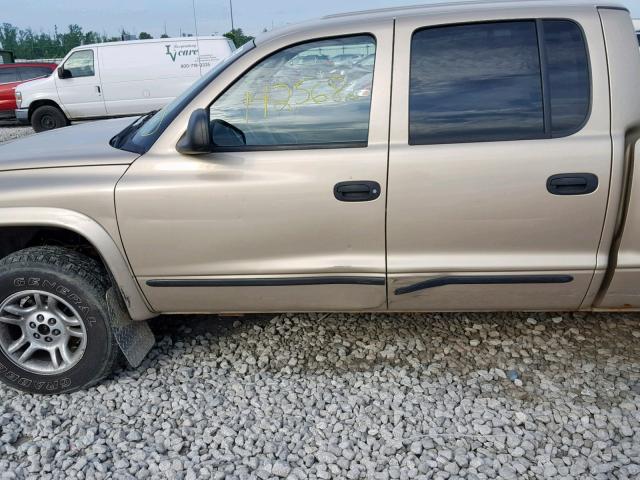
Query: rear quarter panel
[616, 284]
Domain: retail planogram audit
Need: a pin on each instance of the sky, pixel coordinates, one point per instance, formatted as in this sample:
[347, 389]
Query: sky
[135, 16]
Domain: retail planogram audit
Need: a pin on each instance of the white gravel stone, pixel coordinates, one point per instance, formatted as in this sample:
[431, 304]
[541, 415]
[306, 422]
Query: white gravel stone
[281, 469]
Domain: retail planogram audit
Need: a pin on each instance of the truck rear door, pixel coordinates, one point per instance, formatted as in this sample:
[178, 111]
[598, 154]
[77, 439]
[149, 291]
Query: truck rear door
[499, 160]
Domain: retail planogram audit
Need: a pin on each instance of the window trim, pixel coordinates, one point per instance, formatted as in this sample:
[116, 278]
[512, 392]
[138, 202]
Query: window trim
[587, 52]
[301, 146]
[93, 62]
[544, 78]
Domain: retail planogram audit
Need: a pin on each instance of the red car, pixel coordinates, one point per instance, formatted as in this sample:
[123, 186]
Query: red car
[12, 75]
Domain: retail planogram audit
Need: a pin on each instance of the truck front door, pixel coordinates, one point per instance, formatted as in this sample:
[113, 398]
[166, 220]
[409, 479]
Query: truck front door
[499, 161]
[288, 212]
[79, 90]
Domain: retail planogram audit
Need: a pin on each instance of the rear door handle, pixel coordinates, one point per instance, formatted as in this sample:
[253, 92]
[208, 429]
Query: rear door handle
[572, 183]
[357, 191]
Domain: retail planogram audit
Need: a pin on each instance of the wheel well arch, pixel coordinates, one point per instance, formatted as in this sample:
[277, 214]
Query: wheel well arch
[25, 227]
[45, 101]
[14, 238]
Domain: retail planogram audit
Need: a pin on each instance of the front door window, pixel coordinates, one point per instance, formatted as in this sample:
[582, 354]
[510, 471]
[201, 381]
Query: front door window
[312, 94]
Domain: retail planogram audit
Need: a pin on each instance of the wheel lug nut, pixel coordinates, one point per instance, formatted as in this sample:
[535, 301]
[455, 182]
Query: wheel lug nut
[32, 324]
[36, 335]
[48, 339]
[40, 318]
[56, 332]
[52, 321]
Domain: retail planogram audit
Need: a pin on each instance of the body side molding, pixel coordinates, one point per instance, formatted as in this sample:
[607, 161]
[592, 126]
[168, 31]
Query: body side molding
[267, 282]
[482, 280]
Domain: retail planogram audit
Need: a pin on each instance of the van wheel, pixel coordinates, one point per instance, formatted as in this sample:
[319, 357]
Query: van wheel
[48, 117]
[55, 331]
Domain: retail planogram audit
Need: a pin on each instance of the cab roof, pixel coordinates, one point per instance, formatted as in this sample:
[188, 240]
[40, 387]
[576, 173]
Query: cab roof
[440, 7]
[446, 6]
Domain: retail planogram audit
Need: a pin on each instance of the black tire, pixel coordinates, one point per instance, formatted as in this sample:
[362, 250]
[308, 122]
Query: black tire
[79, 281]
[48, 117]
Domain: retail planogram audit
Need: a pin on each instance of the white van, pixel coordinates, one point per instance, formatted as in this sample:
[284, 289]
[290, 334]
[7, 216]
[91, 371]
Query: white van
[117, 79]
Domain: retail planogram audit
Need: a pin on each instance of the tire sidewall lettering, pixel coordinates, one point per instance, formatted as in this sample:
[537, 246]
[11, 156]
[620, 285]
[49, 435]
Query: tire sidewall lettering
[25, 382]
[63, 291]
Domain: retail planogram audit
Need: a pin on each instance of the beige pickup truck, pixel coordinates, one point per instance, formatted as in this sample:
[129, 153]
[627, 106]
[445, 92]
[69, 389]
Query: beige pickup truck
[460, 157]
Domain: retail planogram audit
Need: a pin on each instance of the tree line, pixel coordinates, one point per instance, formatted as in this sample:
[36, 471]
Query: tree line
[27, 44]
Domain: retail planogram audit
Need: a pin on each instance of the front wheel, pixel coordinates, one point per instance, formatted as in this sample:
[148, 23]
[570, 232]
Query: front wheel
[55, 331]
[48, 117]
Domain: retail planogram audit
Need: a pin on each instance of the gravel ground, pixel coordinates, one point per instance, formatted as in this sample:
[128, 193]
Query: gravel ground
[496, 395]
[349, 396]
[10, 131]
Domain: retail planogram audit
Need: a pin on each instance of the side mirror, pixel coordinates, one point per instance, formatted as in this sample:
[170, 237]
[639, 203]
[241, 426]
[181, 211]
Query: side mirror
[197, 139]
[62, 73]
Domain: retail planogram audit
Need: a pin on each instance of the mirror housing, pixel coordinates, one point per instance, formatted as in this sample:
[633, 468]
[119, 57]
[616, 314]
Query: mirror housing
[62, 73]
[197, 139]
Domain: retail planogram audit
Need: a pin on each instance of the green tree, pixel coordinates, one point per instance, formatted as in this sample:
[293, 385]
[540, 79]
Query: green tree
[9, 37]
[238, 37]
[144, 36]
[27, 44]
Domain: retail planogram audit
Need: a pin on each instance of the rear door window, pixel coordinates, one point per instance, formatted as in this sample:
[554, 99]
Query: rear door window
[477, 82]
[498, 81]
[569, 78]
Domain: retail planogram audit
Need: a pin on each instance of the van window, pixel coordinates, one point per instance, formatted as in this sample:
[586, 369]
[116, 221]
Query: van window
[569, 78]
[8, 75]
[476, 82]
[300, 96]
[80, 64]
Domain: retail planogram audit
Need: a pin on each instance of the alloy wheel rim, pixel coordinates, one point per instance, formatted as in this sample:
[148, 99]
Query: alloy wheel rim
[41, 333]
[48, 122]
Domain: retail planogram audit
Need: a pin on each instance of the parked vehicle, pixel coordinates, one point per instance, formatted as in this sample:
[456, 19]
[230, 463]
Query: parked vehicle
[14, 74]
[488, 167]
[6, 56]
[118, 78]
